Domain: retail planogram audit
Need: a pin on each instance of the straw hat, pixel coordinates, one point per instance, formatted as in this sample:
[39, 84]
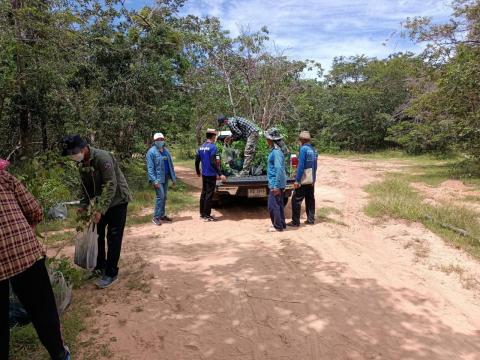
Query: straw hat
[305, 135]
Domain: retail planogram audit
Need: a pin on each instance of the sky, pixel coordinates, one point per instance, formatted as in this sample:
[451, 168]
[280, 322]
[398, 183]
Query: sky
[322, 29]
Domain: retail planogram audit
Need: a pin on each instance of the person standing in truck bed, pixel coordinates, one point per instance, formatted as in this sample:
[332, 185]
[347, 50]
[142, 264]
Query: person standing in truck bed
[242, 129]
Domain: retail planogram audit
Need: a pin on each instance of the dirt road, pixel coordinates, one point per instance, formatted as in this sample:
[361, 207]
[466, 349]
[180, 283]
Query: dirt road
[354, 288]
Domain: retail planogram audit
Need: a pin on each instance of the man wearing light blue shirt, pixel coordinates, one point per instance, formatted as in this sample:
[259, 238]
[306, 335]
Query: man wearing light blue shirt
[277, 180]
[160, 172]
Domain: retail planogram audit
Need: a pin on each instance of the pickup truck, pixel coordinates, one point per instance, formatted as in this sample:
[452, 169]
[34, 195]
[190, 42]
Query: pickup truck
[250, 187]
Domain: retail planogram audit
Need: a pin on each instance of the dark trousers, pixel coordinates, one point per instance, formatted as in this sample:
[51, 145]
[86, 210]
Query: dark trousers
[208, 188]
[34, 291]
[277, 210]
[306, 192]
[114, 219]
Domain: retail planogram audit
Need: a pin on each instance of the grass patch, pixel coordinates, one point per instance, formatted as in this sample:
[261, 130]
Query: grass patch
[391, 154]
[185, 163]
[448, 269]
[420, 248]
[471, 198]
[323, 215]
[67, 237]
[178, 199]
[427, 168]
[395, 198]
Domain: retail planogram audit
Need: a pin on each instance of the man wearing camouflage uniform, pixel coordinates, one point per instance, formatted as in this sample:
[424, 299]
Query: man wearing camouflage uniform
[242, 129]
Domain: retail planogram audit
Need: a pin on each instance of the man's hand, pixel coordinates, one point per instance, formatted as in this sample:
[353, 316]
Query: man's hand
[199, 175]
[296, 185]
[228, 140]
[174, 185]
[97, 217]
[223, 178]
[276, 192]
[156, 185]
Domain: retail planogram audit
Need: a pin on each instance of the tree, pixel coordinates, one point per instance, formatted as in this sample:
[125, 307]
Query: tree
[451, 106]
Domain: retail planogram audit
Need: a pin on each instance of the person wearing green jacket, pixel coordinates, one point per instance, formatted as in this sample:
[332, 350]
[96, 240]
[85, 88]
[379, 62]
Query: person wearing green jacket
[104, 184]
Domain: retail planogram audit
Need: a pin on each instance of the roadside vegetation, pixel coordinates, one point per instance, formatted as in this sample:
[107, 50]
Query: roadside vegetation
[395, 197]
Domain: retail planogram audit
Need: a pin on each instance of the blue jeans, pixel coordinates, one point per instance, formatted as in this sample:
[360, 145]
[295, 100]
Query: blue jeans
[161, 200]
[277, 210]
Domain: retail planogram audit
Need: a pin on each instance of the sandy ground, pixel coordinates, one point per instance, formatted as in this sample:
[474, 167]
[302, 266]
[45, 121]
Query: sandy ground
[367, 289]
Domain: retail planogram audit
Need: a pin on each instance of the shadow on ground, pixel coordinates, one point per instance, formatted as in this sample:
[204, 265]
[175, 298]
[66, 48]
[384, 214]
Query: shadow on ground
[236, 300]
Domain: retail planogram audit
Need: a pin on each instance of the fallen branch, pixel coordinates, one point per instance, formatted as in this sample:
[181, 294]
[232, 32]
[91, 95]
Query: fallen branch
[462, 232]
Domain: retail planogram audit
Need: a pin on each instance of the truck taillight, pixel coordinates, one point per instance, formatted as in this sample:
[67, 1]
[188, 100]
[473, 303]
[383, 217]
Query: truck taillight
[294, 160]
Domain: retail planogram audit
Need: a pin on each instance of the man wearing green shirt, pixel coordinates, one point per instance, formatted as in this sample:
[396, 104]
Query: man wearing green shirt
[104, 184]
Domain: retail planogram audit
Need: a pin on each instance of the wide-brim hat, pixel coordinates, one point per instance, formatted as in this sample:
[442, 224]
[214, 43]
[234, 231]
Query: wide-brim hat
[305, 135]
[211, 131]
[273, 134]
[72, 145]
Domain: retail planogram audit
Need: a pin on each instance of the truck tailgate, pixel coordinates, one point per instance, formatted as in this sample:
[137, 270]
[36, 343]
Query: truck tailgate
[250, 180]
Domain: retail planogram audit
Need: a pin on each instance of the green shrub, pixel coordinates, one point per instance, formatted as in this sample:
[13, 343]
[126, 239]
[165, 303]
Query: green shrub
[49, 178]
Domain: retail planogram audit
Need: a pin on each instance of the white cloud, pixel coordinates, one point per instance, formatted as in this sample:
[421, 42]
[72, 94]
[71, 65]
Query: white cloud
[323, 29]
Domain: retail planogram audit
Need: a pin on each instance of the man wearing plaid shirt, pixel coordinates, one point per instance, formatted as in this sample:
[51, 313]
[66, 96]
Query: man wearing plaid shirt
[242, 129]
[22, 265]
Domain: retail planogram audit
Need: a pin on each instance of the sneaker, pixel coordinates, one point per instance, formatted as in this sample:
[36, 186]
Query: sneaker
[156, 221]
[166, 218]
[209, 218]
[309, 222]
[106, 281]
[293, 224]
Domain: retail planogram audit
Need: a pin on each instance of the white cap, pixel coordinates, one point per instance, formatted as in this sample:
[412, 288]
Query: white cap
[158, 136]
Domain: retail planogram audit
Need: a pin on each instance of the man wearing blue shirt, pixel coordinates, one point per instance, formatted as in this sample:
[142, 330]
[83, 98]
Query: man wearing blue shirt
[305, 181]
[277, 180]
[160, 172]
[207, 156]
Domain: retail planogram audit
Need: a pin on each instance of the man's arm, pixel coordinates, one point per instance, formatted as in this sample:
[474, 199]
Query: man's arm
[85, 200]
[278, 165]
[197, 163]
[236, 132]
[301, 164]
[152, 176]
[213, 161]
[172, 168]
[28, 204]
[107, 170]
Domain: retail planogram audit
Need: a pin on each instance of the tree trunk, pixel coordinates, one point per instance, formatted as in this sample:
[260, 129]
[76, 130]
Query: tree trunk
[43, 124]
